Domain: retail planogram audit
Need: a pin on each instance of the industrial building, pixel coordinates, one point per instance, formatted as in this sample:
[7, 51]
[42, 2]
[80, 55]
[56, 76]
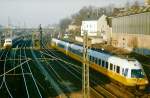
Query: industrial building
[132, 32]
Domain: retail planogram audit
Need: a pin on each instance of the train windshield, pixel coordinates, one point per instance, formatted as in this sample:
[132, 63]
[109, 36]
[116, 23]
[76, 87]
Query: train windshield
[137, 73]
[8, 41]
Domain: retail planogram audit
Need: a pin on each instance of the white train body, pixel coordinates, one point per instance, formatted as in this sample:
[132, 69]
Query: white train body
[8, 43]
[124, 70]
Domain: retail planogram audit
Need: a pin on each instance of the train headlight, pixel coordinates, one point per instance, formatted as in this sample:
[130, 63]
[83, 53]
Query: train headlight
[146, 81]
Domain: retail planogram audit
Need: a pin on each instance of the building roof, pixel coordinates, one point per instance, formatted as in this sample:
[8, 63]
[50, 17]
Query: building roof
[94, 19]
[132, 11]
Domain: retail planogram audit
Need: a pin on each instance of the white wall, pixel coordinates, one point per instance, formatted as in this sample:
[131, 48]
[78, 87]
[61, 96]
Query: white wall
[90, 27]
[103, 28]
[93, 40]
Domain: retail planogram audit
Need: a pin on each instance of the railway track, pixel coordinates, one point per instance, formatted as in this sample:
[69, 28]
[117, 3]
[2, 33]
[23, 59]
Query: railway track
[57, 74]
[15, 74]
[95, 94]
[119, 91]
[101, 91]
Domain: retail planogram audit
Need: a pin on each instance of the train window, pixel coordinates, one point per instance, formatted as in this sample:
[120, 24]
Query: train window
[61, 46]
[103, 63]
[99, 61]
[122, 71]
[118, 69]
[137, 73]
[95, 60]
[126, 72]
[114, 68]
[107, 65]
[69, 48]
[111, 66]
[90, 57]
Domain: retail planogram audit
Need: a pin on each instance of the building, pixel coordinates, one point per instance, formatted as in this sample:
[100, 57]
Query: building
[104, 28]
[89, 27]
[93, 40]
[147, 2]
[73, 27]
[132, 32]
[96, 28]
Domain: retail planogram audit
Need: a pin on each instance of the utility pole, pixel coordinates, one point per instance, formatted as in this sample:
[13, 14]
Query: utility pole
[32, 39]
[85, 72]
[9, 31]
[40, 29]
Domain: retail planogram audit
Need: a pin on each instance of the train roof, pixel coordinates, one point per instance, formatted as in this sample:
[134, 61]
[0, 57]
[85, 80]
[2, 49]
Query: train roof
[104, 55]
[76, 46]
[128, 63]
[79, 44]
[8, 39]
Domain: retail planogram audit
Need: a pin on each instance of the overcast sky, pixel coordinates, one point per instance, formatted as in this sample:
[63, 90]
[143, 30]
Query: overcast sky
[35, 12]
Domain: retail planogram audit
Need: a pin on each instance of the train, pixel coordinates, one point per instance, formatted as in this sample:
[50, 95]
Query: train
[125, 71]
[7, 43]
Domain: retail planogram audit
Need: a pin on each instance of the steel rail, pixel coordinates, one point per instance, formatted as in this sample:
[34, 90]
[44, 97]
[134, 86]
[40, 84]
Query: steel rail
[103, 88]
[4, 78]
[32, 76]
[58, 76]
[22, 70]
[42, 69]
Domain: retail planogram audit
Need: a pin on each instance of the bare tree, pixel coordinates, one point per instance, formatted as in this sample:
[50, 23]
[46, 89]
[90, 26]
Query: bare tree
[63, 24]
[136, 5]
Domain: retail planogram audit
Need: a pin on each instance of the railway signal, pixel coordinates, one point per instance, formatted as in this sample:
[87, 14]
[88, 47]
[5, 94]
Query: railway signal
[40, 30]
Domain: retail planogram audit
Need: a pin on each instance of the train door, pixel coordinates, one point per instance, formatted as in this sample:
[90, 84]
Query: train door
[66, 49]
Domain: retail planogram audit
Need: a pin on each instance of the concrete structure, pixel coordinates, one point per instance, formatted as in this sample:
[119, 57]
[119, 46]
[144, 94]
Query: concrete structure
[94, 40]
[73, 27]
[132, 32]
[98, 28]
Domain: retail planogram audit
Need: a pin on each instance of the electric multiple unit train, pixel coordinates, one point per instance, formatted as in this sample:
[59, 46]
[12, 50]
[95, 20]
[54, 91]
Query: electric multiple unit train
[7, 43]
[128, 72]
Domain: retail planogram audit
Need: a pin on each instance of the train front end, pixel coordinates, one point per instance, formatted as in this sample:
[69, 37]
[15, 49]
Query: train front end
[138, 76]
[7, 43]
